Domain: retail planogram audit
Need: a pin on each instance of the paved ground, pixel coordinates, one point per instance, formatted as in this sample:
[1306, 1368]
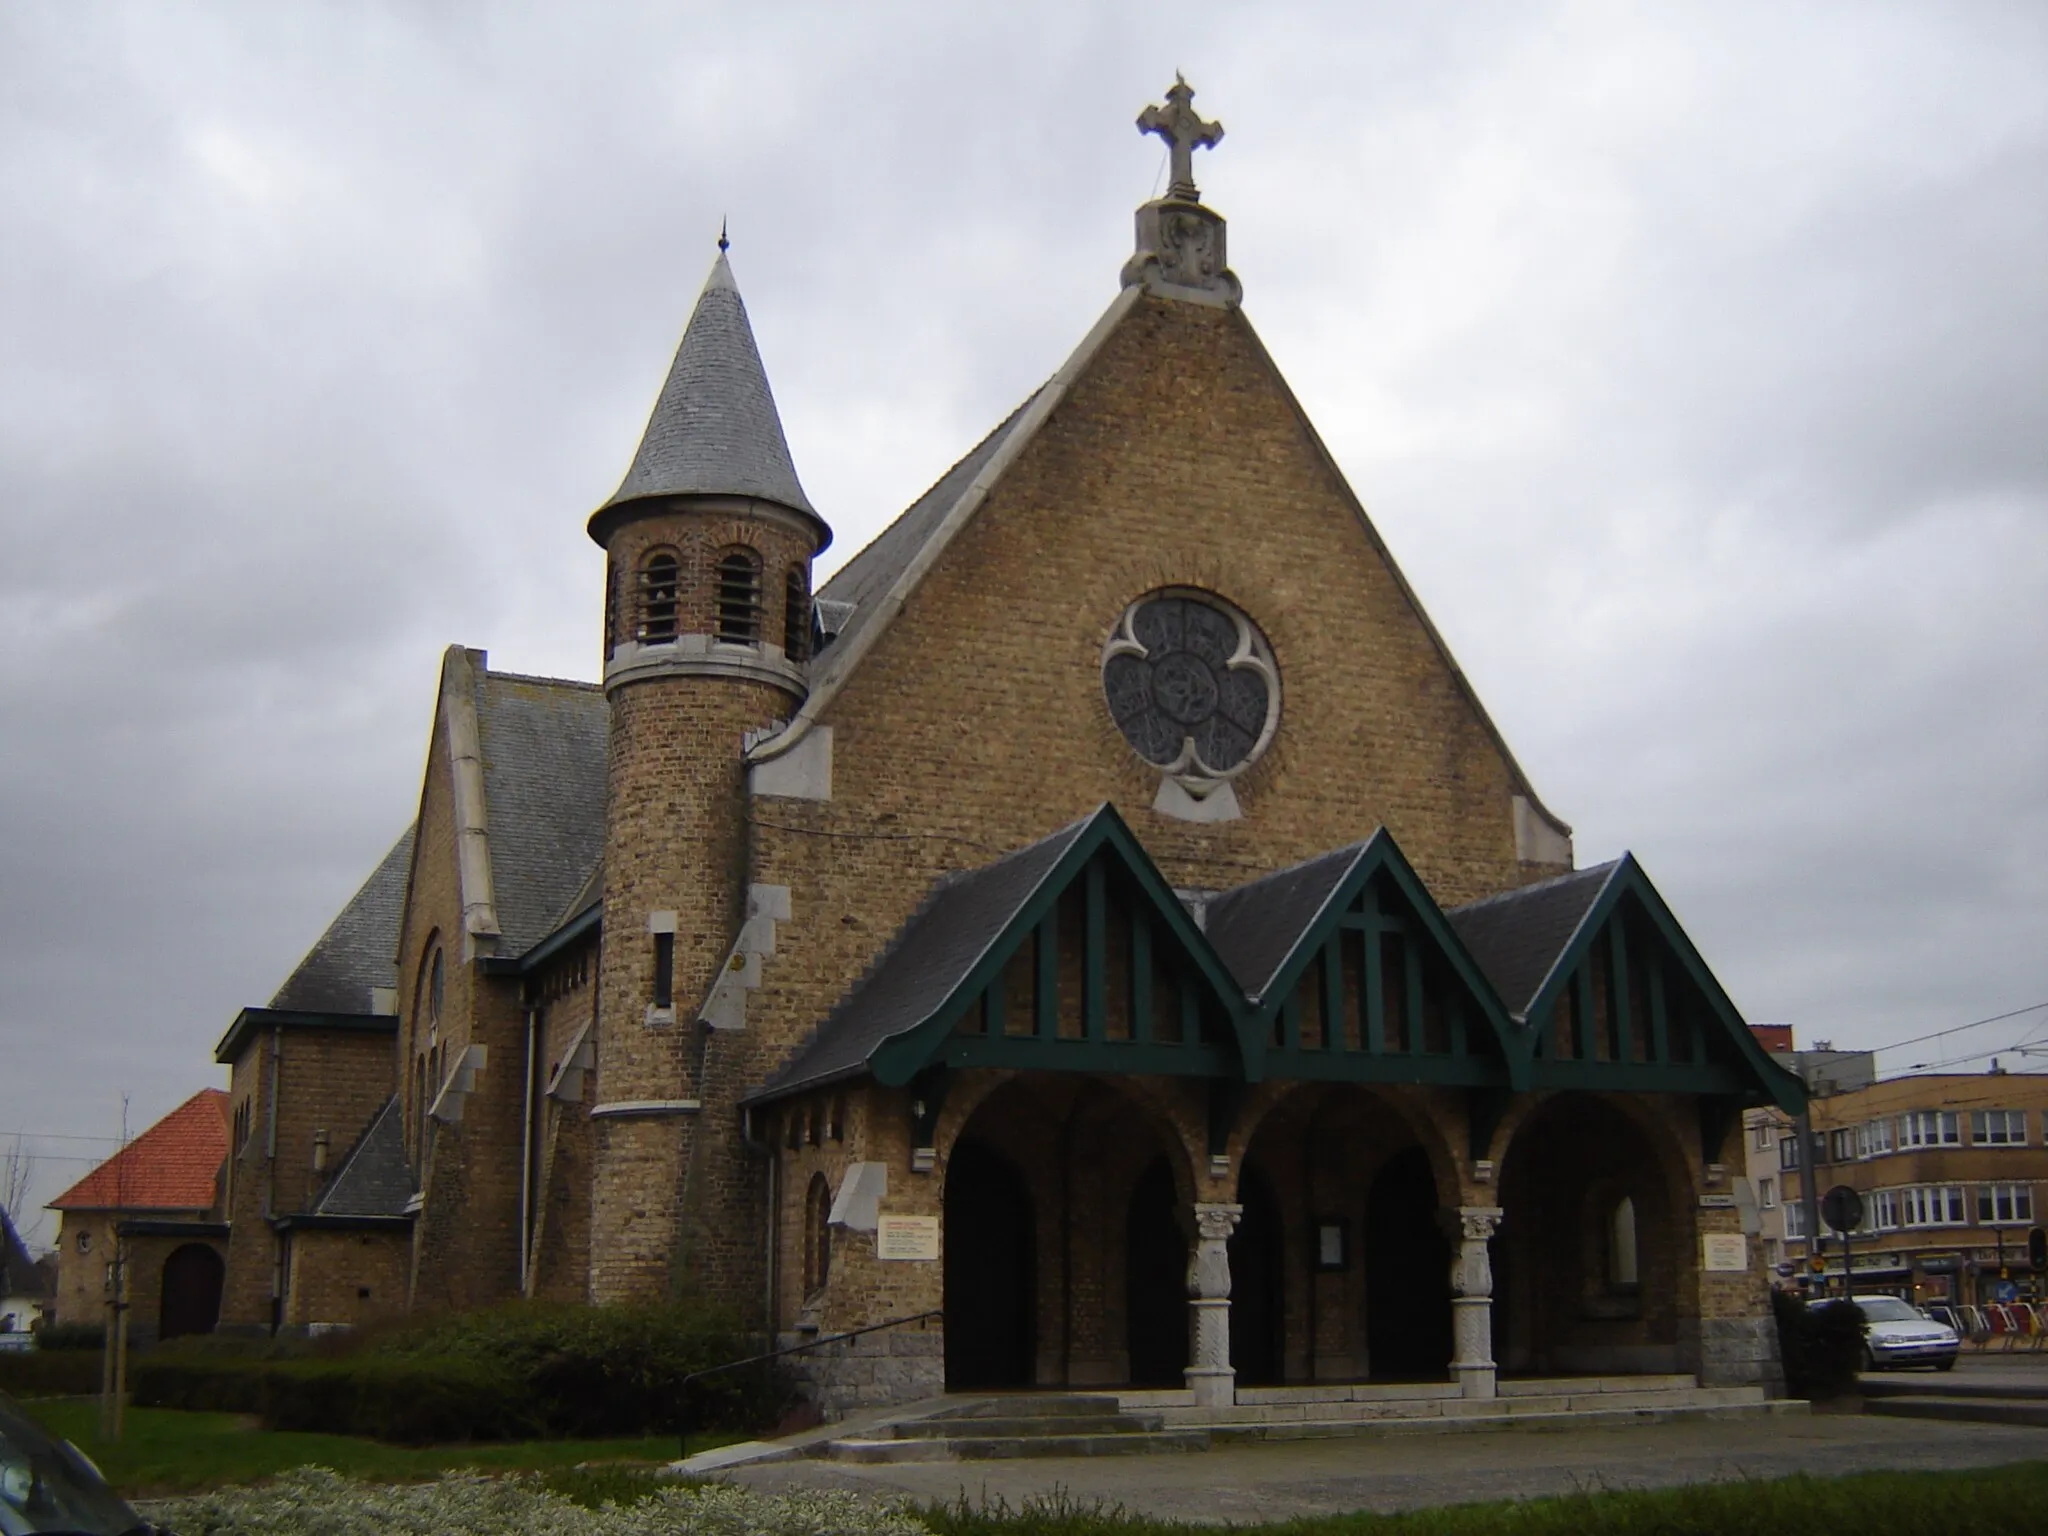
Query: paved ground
[1278, 1480]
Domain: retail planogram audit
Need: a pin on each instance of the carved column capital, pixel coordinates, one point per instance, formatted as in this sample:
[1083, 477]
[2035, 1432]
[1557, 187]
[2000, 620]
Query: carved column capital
[1478, 1223]
[1216, 1223]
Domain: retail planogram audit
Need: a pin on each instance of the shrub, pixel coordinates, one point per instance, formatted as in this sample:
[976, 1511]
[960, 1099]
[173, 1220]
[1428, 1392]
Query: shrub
[506, 1372]
[1822, 1346]
[91, 1336]
[42, 1373]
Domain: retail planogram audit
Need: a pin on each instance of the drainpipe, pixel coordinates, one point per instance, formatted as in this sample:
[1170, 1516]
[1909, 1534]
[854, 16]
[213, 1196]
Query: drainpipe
[526, 1189]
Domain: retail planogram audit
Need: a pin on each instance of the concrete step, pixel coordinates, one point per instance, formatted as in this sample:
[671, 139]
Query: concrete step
[1017, 1447]
[1604, 1418]
[1943, 1384]
[1974, 1409]
[1032, 1405]
[1097, 1423]
[1381, 1409]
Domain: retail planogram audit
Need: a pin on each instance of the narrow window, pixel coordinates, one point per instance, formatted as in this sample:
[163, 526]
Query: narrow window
[796, 615]
[658, 588]
[817, 1233]
[739, 597]
[664, 970]
[436, 991]
[1621, 1247]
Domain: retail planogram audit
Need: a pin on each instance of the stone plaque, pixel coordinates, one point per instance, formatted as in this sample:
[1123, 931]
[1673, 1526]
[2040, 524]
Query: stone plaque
[1726, 1252]
[907, 1237]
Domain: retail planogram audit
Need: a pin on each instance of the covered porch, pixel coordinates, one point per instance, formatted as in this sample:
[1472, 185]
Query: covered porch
[1313, 1136]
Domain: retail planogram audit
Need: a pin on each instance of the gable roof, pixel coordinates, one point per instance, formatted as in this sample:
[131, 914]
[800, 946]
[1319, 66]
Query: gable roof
[933, 953]
[1519, 936]
[881, 578]
[543, 742]
[354, 957]
[1257, 925]
[375, 1178]
[952, 945]
[173, 1166]
[714, 429]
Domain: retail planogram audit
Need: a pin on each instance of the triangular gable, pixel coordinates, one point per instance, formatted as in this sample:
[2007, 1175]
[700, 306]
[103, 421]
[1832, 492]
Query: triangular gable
[1308, 945]
[978, 974]
[1629, 1003]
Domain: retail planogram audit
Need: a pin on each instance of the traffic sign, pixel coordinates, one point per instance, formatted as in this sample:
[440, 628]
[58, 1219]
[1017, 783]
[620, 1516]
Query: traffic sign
[1842, 1208]
[2037, 1250]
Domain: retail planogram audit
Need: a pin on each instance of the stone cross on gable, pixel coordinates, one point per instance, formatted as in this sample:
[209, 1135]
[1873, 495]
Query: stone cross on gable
[1184, 131]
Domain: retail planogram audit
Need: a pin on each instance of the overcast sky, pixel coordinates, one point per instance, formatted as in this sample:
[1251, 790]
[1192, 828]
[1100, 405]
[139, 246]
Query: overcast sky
[1692, 359]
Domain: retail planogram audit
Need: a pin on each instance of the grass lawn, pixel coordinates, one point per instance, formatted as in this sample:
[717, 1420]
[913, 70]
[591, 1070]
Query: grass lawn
[164, 1451]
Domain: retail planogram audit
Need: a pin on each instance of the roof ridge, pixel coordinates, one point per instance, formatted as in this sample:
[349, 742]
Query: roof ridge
[1534, 887]
[534, 677]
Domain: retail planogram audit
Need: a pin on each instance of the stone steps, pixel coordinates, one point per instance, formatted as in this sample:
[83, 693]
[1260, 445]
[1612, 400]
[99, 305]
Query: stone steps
[1946, 1385]
[1017, 1425]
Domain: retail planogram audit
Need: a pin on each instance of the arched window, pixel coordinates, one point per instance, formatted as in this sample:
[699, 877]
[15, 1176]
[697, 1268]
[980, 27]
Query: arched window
[1621, 1245]
[658, 586]
[739, 597]
[817, 1233]
[796, 614]
[436, 990]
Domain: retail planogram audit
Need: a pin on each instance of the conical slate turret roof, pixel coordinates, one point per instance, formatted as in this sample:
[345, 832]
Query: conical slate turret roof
[714, 430]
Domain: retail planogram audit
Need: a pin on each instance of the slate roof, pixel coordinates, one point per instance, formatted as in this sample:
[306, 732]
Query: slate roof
[172, 1166]
[375, 1179]
[356, 952]
[1517, 936]
[714, 428]
[1255, 926]
[936, 949]
[860, 585]
[544, 742]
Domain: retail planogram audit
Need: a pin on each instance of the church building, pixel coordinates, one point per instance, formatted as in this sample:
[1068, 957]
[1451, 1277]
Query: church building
[1100, 926]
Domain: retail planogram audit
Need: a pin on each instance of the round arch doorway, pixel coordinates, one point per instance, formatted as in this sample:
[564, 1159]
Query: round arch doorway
[991, 1272]
[1407, 1273]
[193, 1277]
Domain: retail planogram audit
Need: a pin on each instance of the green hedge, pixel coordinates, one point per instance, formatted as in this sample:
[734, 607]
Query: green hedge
[42, 1373]
[1822, 1346]
[510, 1372]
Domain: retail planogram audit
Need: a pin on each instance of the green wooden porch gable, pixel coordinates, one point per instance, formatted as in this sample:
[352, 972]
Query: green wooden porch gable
[1100, 970]
[1380, 989]
[1629, 1006]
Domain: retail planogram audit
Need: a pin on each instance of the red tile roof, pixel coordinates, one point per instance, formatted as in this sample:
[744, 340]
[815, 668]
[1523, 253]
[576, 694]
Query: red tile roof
[172, 1166]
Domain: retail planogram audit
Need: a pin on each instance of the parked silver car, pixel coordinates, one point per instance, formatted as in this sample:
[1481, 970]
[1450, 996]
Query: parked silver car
[1904, 1335]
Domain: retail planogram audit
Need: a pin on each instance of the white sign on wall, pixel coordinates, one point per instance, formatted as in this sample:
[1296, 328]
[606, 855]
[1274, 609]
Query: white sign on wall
[1726, 1252]
[907, 1237]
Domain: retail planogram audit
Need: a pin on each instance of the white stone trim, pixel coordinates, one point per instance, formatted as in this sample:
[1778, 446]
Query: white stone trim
[620, 1109]
[702, 656]
[459, 670]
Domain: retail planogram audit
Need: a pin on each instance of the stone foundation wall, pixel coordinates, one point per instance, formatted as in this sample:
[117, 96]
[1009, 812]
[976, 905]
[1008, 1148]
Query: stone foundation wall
[1741, 1352]
[897, 1365]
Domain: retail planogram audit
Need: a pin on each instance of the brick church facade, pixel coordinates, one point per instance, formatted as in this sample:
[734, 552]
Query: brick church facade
[1102, 916]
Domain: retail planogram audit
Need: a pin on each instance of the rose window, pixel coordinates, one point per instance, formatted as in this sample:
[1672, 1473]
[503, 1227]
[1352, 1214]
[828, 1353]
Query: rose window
[1191, 683]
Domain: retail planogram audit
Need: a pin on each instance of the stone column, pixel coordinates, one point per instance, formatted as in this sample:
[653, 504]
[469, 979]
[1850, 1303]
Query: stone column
[1472, 1299]
[1210, 1375]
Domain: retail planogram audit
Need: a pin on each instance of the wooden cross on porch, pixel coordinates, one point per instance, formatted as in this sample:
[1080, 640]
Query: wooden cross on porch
[1184, 131]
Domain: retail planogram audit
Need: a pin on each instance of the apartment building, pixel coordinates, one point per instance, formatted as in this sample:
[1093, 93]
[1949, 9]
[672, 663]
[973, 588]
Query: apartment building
[1951, 1170]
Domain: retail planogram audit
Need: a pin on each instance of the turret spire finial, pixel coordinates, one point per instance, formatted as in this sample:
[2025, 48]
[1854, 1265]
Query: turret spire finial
[723, 243]
[1185, 132]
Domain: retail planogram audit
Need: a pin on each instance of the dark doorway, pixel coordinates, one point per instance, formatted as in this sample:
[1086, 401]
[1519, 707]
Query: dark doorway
[1255, 1284]
[191, 1295]
[1156, 1281]
[1407, 1274]
[990, 1272]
